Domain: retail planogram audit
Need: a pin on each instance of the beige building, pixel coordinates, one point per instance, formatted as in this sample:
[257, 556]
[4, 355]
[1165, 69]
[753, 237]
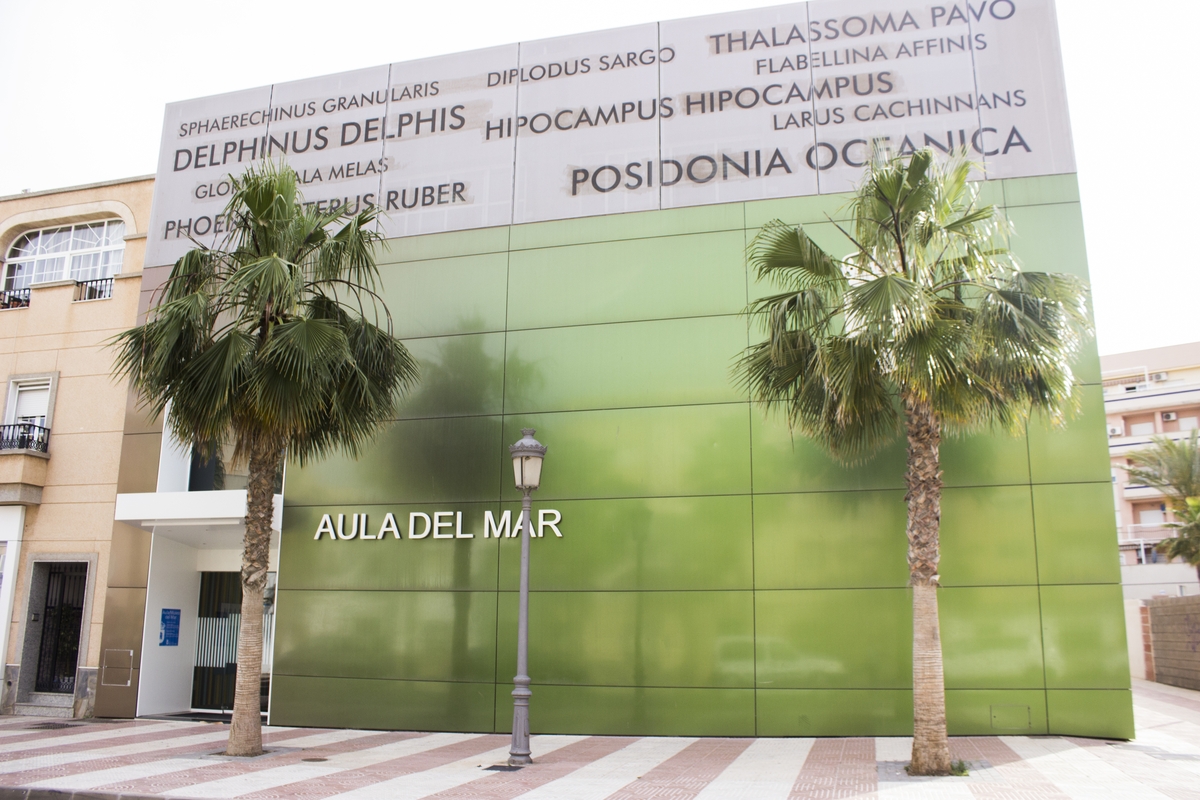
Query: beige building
[1149, 393]
[71, 261]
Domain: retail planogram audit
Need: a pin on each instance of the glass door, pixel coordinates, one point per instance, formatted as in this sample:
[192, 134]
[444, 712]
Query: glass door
[217, 626]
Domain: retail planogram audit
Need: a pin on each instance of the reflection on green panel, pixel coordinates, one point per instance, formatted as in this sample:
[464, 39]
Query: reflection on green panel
[1041, 190]
[638, 452]
[787, 462]
[460, 375]
[1075, 453]
[635, 225]
[838, 540]
[1104, 714]
[428, 636]
[797, 210]
[716, 574]
[661, 363]
[992, 193]
[389, 563]
[1087, 365]
[991, 637]
[634, 711]
[996, 712]
[835, 712]
[419, 460]
[445, 296]
[475, 241]
[987, 537]
[1083, 628]
[1049, 238]
[647, 544]
[632, 279]
[837, 638]
[633, 638]
[1076, 529]
[323, 702]
[984, 459]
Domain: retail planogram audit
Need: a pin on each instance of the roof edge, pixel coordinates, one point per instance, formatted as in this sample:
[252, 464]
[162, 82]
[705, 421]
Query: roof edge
[80, 187]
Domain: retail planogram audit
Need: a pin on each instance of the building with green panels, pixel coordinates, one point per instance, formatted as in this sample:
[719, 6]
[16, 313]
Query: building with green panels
[565, 225]
[716, 575]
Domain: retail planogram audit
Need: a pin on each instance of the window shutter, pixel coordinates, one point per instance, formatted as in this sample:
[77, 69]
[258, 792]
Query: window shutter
[32, 403]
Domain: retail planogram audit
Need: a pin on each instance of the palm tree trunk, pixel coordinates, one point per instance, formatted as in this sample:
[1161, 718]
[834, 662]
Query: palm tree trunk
[931, 748]
[245, 734]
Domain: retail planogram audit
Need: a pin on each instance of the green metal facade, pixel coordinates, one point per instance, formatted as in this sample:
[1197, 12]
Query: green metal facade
[716, 576]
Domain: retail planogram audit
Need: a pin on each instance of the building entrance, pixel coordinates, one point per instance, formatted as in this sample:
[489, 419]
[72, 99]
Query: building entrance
[218, 622]
[58, 651]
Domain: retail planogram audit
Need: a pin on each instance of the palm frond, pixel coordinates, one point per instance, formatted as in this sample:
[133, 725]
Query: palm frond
[929, 305]
[271, 339]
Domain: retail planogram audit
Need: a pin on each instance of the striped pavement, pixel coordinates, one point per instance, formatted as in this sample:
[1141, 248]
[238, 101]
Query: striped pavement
[181, 760]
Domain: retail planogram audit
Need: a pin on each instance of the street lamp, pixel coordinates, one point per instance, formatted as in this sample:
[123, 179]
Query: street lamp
[527, 455]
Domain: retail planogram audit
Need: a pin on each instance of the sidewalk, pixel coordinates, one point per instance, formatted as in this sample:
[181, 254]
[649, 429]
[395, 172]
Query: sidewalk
[176, 759]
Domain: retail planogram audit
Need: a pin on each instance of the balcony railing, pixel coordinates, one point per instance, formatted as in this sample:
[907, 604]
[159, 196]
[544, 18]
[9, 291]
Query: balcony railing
[1149, 532]
[99, 289]
[25, 436]
[14, 298]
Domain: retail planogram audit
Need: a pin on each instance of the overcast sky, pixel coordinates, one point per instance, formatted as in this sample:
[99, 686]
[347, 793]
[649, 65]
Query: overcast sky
[83, 85]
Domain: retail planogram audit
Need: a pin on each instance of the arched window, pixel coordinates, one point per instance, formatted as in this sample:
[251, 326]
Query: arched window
[83, 252]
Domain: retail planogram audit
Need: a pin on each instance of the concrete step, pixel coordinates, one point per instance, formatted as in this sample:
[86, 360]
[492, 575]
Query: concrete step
[36, 710]
[59, 699]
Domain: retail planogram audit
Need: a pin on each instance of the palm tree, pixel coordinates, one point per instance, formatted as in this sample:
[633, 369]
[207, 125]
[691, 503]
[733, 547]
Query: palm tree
[1185, 544]
[927, 326]
[1173, 467]
[276, 341]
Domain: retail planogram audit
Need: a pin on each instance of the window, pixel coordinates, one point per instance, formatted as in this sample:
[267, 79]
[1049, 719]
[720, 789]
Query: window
[84, 252]
[27, 415]
[1141, 429]
[31, 404]
[1189, 423]
[1151, 516]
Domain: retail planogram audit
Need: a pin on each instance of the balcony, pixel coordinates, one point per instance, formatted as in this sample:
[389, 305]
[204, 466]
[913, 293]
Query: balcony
[1137, 491]
[24, 457]
[25, 436]
[14, 298]
[1120, 445]
[1153, 397]
[1144, 533]
[99, 289]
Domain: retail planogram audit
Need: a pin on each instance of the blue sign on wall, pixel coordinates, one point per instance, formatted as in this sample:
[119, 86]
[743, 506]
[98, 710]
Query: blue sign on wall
[168, 630]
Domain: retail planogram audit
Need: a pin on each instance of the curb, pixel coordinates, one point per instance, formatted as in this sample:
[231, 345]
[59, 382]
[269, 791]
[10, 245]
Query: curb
[26, 793]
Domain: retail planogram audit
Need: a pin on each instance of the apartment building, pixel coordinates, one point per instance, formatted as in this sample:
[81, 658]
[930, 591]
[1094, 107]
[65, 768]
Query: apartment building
[1149, 393]
[71, 262]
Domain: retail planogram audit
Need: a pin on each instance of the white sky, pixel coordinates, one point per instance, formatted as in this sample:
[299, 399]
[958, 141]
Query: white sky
[83, 85]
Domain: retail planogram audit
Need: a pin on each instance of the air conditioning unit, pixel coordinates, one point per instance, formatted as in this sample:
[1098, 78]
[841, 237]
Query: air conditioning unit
[1158, 377]
[1170, 416]
[1116, 430]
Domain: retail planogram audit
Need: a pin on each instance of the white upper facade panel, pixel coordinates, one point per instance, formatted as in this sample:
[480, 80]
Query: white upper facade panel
[588, 124]
[773, 102]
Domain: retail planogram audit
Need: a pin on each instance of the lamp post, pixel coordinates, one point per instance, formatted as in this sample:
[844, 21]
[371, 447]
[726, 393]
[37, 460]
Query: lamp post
[527, 455]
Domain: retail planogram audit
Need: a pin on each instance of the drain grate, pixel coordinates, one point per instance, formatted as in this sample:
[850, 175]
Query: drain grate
[314, 760]
[503, 768]
[50, 726]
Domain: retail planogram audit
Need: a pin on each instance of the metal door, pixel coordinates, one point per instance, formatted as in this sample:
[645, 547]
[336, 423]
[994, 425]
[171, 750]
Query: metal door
[58, 653]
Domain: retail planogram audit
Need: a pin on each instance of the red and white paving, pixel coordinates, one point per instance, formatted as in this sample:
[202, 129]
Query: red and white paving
[180, 760]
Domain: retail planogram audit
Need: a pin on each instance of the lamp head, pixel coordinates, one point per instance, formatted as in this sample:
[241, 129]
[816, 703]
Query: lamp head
[527, 455]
